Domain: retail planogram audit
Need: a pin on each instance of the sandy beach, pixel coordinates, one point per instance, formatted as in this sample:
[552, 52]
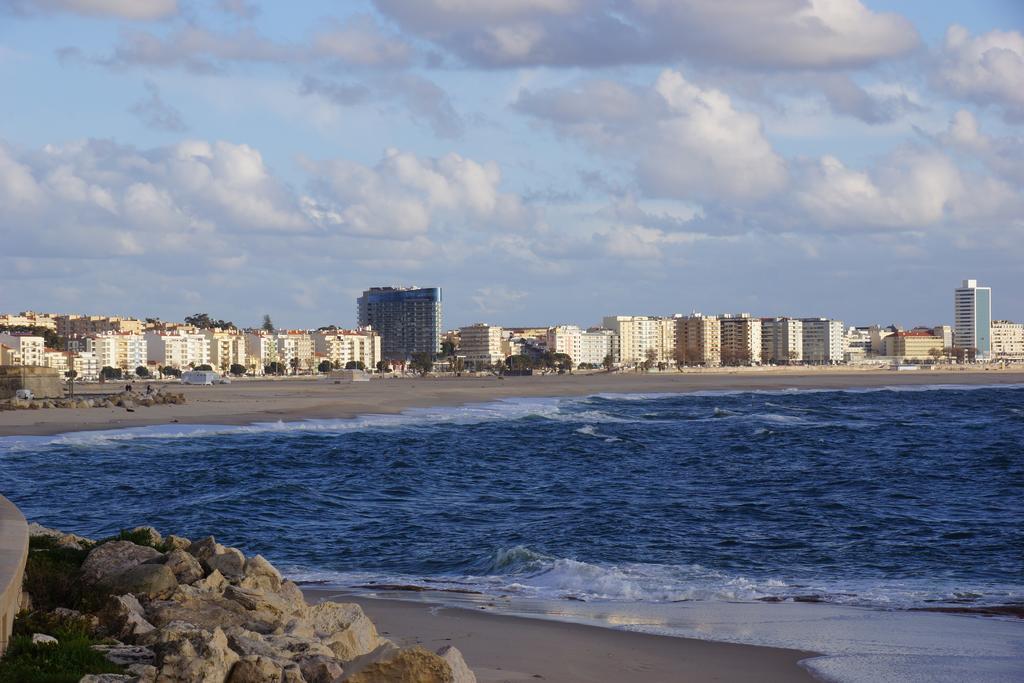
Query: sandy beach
[503, 648]
[291, 399]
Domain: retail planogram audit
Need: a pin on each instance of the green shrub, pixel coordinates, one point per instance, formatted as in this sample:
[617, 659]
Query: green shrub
[65, 662]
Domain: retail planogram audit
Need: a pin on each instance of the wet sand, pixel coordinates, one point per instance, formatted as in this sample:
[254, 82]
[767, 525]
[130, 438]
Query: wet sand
[290, 399]
[503, 648]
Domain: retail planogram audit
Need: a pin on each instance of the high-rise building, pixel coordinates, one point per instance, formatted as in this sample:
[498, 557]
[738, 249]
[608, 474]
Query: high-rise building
[1007, 340]
[118, 350]
[972, 318]
[640, 336]
[589, 347]
[342, 347]
[408, 319]
[181, 350]
[782, 340]
[481, 345]
[698, 340]
[741, 339]
[26, 349]
[823, 341]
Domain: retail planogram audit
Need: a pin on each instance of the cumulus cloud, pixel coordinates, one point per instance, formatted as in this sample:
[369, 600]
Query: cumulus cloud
[138, 10]
[987, 69]
[848, 98]
[1004, 155]
[405, 195]
[155, 113]
[750, 33]
[686, 142]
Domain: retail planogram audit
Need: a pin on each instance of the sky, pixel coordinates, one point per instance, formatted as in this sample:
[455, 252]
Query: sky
[543, 161]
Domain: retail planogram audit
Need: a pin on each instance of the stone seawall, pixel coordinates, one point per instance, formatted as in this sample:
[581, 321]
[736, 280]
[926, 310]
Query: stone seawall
[13, 554]
[43, 382]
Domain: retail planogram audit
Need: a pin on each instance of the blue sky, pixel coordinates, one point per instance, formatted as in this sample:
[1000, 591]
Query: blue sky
[543, 161]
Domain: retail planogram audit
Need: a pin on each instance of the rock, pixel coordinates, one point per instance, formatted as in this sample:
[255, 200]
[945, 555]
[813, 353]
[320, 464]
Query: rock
[205, 548]
[214, 583]
[461, 673]
[186, 568]
[394, 665]
[261, 575]
[108, 560]
[207, 609]
[43, 639]
[127, 655]
[152, 536]
[150, 580]
[177, 542]
[320, 669]
[123, 617]
[186, 653]
[344, 628]
[143, 673]
[105, 678]
[62, 539]
[230, 563]
[256, 669]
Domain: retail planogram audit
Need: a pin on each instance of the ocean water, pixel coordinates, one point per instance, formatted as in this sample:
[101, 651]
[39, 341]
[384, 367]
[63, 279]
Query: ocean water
[879, 499]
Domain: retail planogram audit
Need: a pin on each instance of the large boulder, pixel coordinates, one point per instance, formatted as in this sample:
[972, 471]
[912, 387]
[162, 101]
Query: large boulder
[126, 655]
[259, 669]
[398, 665]
[261, 575]
[461, 673]
[186, 653]
[205, 548]
[320, 669]
[150, 580]
[123, 618]
[205, 609]
[230, 563]
[173, 542]
[62, 539]
[344, 628]
[108, 560]
[186, 568]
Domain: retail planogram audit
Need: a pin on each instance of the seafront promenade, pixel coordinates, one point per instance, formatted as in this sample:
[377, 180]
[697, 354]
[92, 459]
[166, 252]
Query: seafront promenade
[13, 555]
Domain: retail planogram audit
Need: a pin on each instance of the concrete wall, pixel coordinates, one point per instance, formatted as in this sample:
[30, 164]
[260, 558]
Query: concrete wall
[44, 382]
[13, 554]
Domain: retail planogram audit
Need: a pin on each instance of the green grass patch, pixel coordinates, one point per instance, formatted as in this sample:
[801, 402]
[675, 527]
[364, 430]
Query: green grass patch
[53, 578]
[65, 662]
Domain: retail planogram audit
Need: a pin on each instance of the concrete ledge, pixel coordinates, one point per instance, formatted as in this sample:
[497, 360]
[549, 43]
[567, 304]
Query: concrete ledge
[13, 555]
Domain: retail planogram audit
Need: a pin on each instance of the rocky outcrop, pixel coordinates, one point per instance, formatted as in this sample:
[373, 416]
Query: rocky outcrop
[206, 613]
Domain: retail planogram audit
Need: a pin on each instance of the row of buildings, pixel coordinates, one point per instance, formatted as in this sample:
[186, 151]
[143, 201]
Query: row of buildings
[396, 323]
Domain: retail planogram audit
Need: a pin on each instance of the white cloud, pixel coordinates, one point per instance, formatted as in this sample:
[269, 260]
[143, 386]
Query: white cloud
[987, 69]
[750, 33]
[687, 142]
[1004, 155]
[138, 10]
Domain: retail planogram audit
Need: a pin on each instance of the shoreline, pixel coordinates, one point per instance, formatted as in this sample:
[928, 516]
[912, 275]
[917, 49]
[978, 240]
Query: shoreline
[503, 647]
[249, 402]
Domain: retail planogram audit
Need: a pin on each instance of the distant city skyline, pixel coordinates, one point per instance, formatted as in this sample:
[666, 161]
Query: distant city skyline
[854, 159]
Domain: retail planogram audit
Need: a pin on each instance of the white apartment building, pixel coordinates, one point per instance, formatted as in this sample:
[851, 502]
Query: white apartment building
[589, 347]
[481, 345]
[342, 347]
[124, 351]
[824, 341]
[69, 326]
[858, 344]
[87, 365]
[261, 351]
[972, 311]
[782, 340]
[1007, 340]
[698, 340]
[58, 360]
[295, 350]
[181, 349]
[227, 348]
[638, 334]
[24, 349]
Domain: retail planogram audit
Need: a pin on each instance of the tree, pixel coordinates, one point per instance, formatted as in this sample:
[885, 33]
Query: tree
[71, 374]
[650, 358]
[204, 322]
[383, 366]
[792, 356]
[142, 371]
[237, 369]
[422, 363]
[935, 354]
[268, 325]
[294, 363]
[108, 373]
[325, 366]
[204, 368]
[274, 368]
[168, 370]
[448, 347]
[355, 365]
[608, 362]
[562, 362]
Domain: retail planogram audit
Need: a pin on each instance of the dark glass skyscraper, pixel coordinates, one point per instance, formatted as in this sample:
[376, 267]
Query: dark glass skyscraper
[408, 319]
